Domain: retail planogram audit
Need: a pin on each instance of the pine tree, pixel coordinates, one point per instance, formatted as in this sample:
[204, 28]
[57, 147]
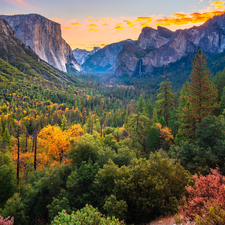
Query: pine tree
[165, 100]
[198, 99]
[202, 93]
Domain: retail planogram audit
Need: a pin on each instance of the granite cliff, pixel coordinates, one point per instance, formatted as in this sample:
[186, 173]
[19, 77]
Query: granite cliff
[43, 36]
[18, 59]
[165, 47]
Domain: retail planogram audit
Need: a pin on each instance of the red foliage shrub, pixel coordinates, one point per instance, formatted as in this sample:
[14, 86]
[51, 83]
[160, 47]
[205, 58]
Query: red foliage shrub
[6, 221]
[210, 188]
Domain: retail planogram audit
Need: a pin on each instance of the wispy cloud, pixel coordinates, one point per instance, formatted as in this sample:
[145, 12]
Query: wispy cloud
[19, 3]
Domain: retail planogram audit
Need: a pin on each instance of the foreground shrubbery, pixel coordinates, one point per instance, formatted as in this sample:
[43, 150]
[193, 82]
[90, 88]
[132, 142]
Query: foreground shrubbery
[6, 221]
[206, 199]
[86, 215]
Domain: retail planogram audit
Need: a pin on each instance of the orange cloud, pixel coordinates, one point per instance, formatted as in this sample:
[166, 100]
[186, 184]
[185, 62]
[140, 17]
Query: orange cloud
[92, 29]
[119, 28]
[181, 19]
[218, 3]
[92, 25]
[77, 23]
[129, 23]
[145, 21]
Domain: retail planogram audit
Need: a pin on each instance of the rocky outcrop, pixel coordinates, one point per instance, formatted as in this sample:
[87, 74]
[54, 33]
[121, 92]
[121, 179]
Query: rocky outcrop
[43, 36]
[81, 55]
[105, 59]
[151, 39]
[171, 47]
[130, 60]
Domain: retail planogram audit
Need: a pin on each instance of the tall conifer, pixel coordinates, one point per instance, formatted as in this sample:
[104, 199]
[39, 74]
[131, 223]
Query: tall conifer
[165, 101]
[203, 94]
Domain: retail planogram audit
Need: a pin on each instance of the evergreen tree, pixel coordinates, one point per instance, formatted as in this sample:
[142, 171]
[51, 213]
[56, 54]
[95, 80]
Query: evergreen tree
[201, 96]
[165, 100]
[64, 123]
[140, 107]
[203, 93]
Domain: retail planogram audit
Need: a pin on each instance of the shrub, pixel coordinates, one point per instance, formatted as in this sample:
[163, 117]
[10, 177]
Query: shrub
[87, 215]
[213, 214]
[6, 221]
[210, 188]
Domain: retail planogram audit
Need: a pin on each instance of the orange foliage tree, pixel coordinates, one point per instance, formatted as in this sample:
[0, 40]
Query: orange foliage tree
[53, 145]
[165, 135]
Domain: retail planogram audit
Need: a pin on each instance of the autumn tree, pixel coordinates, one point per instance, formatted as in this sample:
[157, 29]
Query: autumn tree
[53, 145]
[210, 188]
[166, 136]
[164, 101]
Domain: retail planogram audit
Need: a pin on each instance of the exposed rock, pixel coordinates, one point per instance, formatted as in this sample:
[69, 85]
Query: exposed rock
[105, 59]
[23, 58]
[151, 39]
[81, 55]
[129, 60]
[43, 36]
[167, 47]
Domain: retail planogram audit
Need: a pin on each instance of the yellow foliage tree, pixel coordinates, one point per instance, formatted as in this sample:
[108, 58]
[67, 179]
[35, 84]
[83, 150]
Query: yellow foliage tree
[53, 143]
[165, 134]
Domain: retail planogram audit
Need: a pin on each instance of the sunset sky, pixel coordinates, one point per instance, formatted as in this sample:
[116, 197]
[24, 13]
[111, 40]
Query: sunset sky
[89, 23]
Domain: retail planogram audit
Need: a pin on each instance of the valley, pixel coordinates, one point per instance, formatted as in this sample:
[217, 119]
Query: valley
[113, 135]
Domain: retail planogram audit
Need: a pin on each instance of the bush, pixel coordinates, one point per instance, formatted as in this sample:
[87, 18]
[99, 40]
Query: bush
[87, 215]
[143, 190]
[6, 221]
[213, 214]
[210, 188]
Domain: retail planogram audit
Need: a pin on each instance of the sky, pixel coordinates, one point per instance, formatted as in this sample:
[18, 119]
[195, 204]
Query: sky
[89, 23]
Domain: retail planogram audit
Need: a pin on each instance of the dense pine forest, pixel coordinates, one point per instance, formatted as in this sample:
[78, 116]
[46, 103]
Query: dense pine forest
[81, 149]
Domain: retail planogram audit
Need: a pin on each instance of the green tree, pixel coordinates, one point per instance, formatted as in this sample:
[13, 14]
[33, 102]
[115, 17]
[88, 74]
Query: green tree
[58, 204]
[137, 128]
[64, 123]
[208, 149]
[146, 188]
[202, 92]
[7, 177]
[81, 187]
[164, 101]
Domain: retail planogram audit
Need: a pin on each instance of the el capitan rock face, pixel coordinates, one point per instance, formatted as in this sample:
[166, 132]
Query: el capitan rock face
[169, 47]
[43, 36]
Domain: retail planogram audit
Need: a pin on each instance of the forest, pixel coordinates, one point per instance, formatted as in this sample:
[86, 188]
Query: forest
[85, 151]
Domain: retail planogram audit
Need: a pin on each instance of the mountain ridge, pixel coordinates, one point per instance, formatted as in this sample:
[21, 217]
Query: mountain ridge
[210, 37]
